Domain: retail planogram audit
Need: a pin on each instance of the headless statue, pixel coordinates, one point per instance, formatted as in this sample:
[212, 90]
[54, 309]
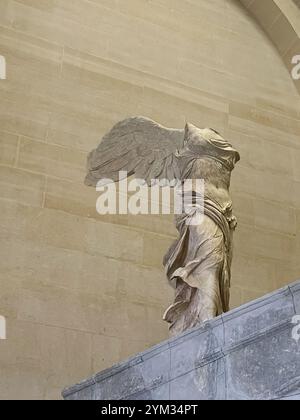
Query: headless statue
[198, 263]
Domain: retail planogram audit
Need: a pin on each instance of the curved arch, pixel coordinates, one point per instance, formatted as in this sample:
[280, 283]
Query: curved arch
[280, 19]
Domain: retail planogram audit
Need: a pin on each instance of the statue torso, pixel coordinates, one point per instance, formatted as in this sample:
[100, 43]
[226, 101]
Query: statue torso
[213, 161]
[216, 179]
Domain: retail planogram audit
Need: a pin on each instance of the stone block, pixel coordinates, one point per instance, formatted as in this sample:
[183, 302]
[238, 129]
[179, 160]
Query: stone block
[258, 316]
[246, 354]
[22, 186]
[52, 160]
[8, 148]
[266, 367]
[295, 290]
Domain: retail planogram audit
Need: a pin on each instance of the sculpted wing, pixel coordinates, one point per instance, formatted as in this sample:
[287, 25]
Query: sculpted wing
[139, 146]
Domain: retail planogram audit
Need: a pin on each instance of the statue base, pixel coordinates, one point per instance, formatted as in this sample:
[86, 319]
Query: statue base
[250, 353]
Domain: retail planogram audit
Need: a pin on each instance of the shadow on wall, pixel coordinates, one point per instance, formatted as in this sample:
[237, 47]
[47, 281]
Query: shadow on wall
[281, 21]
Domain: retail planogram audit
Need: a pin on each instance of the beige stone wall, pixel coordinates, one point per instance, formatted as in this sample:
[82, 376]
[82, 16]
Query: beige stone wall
[81, 291]
[280, 19]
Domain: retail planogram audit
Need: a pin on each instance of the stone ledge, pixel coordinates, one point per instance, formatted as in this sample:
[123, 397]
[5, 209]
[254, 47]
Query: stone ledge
[247, 353]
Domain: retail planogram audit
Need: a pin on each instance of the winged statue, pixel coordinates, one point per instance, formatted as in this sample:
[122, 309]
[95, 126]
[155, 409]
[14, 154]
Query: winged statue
[198, 263]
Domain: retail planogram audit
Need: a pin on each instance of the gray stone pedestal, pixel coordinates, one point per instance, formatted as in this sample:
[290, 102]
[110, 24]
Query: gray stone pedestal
[248, 353]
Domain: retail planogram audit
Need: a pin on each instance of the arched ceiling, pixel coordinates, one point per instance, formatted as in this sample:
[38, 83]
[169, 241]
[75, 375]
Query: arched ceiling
[280, 19]
[297, 2]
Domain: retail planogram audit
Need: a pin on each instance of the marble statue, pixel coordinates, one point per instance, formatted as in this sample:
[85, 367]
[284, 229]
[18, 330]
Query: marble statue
[198, 264]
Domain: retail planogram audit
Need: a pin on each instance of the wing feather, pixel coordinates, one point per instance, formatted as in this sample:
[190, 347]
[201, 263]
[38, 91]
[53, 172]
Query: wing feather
[139, 146]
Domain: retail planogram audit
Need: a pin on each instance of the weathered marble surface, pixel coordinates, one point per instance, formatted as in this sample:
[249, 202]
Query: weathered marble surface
[248, 353]
[198, 264]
